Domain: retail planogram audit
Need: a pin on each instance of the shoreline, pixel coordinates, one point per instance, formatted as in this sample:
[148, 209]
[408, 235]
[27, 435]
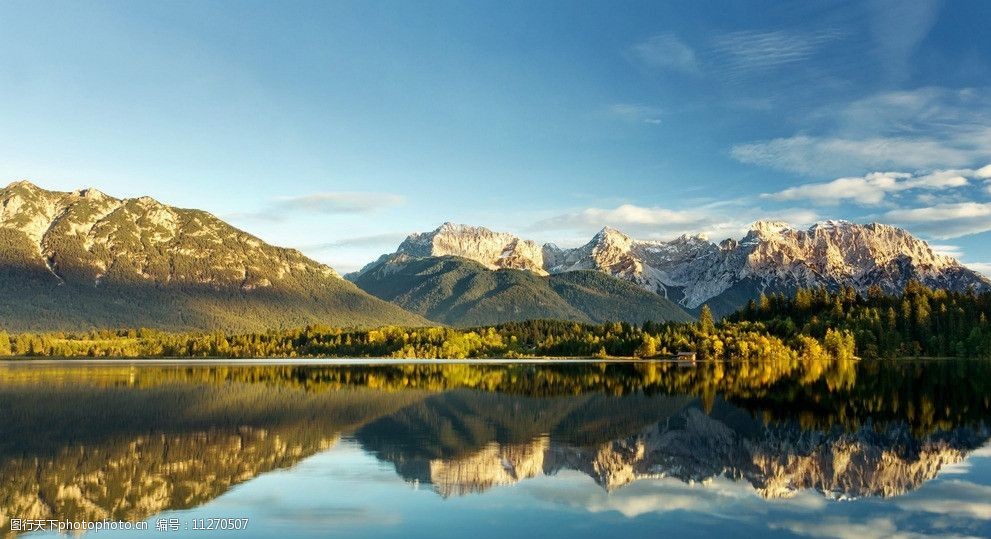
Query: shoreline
[357, 362]
[323, 361]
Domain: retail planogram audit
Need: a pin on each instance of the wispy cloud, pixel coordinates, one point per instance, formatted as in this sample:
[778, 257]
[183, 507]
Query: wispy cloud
[665, 51]
[829, 155]
[897, 28]
[340, 202]
[328, 203]
[945, 221]
[925, 128]
[873, 188]
[926, 110]
[749, 51]
[636, 113]
[732, 55]
[389, 239]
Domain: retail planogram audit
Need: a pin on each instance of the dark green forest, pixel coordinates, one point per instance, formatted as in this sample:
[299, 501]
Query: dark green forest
[463, 293]
[919, 323]
[537, 338]
[812, 324]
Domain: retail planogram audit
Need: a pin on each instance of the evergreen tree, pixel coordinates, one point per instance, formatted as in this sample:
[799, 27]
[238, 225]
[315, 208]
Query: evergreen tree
[706, 323]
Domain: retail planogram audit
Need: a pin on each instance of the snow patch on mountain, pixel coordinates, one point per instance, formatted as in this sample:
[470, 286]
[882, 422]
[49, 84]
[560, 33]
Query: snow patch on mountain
[693, 270]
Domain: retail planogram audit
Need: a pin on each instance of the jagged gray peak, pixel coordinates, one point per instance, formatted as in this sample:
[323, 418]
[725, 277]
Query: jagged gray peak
[692, 269]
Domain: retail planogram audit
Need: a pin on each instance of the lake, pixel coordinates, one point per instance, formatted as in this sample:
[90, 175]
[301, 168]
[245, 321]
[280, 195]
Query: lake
[801, 449]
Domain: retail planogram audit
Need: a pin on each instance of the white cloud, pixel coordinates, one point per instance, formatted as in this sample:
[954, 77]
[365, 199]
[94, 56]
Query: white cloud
[956, 498]
[941, 179]
[983, 452]
[656, 223]
[982, 267]
[717, 497]
[873, 188]
[665, 51]
[946, 220]
[638, 221]
[870, 189]
[844, 528]
[626, 214]
[984, 172]
[948, 250]
[637, 113]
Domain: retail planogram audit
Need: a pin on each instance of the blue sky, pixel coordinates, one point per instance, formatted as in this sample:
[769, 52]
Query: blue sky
[340, 127]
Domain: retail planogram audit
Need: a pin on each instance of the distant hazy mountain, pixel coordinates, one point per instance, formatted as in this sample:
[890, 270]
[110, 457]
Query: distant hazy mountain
[691, 270]
[463, 292]
[85, 260]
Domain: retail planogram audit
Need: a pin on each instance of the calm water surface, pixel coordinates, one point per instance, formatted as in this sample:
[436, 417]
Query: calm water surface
[854, 449]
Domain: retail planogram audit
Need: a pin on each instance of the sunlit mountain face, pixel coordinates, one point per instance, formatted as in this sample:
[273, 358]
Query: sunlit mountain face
[122, 442]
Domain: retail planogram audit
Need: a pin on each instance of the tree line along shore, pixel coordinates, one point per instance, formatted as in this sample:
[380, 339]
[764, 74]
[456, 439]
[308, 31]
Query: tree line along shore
[808, 325]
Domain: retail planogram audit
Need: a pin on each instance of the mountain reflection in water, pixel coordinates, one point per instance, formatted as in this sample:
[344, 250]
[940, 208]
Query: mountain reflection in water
[122, 442]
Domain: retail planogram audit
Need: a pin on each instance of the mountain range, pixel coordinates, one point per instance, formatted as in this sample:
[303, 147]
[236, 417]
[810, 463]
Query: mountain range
[692, 270]
[85, 260]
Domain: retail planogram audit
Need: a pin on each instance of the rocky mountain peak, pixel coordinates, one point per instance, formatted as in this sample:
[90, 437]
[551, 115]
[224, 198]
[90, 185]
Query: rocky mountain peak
[87, 236]
[689, 239]
[22, 189]
[454, 228]
[772, 257]
[90, 193]
[768, 228]
[610, 234]
[21, 184]
[611, 239]
[493, 249]
[611, 247]
[91, 255]
[14, 184]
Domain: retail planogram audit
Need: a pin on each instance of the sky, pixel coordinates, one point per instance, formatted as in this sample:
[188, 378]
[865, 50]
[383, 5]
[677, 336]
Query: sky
[340, 127]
